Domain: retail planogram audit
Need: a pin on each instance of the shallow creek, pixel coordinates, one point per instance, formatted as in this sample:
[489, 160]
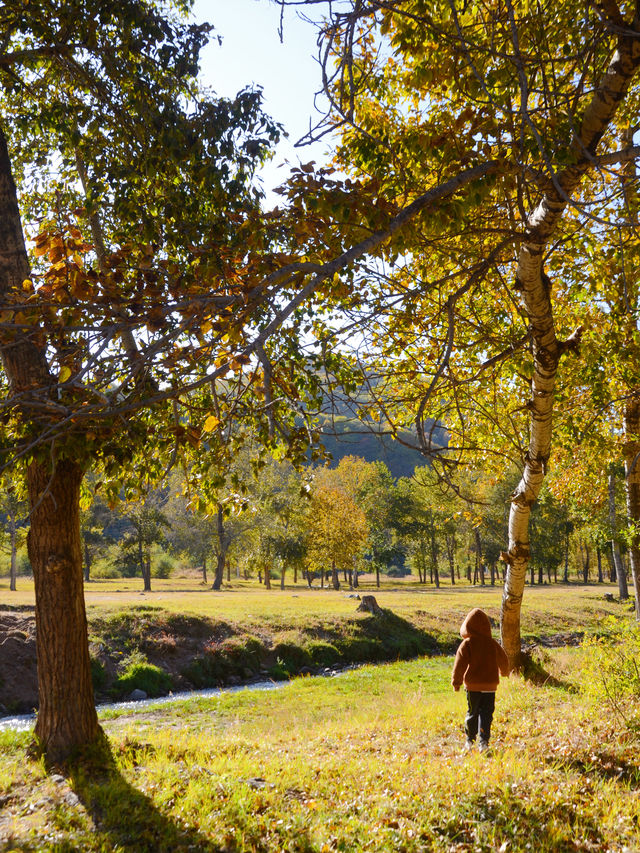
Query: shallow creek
[24, 722]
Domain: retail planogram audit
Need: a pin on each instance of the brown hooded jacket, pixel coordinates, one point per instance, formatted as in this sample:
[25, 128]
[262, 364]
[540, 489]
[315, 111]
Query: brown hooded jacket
[480, 660]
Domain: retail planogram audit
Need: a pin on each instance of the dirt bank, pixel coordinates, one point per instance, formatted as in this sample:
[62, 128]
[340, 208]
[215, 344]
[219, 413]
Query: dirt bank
[149, 649]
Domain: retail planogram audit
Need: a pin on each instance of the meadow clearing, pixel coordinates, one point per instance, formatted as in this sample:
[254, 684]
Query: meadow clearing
[370, 759]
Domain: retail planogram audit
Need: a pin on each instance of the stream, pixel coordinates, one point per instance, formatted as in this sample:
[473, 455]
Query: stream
[24, 722]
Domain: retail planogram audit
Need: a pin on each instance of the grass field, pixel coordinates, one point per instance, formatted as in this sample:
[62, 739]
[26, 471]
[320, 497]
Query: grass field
[545, 609]
[367, 760]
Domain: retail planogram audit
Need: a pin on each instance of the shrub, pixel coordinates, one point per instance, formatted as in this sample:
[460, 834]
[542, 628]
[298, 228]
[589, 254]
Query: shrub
[106, 571]
[230, 657]
[323, 654]
[143, 676]
[611, 673]
[24, 566]
[98, 674]
[292, 657]
[163, 568]
[205, 671]
[240, 653]
[279, 672]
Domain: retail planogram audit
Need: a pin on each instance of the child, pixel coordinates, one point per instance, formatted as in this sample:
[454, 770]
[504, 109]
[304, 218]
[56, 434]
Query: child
[480, 660]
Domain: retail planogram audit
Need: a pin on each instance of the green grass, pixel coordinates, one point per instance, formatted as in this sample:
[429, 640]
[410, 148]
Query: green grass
[368, 760]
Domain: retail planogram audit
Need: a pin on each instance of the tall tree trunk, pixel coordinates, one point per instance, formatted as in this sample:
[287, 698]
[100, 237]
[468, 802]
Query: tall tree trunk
[66, 715]
[535, 290]
[145, 562]
[267, 576]
[480, 557]
[434, 558]
[146, 569]
[221, 551]
[450, 540]
[87, 562]
[334, 575]
[630, 298]
[204, 569]
[586, 564]
[632, 486]
[14, 551]
[615, 545]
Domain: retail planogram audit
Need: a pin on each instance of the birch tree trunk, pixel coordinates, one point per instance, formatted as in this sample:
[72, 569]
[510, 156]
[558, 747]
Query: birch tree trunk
[535, 289]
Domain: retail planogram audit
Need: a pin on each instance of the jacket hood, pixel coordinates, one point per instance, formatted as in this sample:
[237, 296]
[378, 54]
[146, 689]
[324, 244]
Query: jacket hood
[476, 622]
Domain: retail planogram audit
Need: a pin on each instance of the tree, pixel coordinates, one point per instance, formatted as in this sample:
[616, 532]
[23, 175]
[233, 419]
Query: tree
[12, 506]
[337, 526]
[95, 336]
[190, 532]
[147, 522]
[462, 309]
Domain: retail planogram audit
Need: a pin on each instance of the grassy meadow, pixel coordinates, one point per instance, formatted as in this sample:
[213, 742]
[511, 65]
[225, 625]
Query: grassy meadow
[546, 609]
[370, 759]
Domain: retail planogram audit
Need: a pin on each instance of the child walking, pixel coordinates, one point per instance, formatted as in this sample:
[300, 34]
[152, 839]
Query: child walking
[480, 660]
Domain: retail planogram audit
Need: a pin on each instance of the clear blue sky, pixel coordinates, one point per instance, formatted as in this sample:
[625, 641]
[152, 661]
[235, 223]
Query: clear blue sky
[251, 52]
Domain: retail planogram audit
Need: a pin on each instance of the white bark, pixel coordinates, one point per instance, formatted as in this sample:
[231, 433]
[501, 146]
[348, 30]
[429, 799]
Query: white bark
[547, 350]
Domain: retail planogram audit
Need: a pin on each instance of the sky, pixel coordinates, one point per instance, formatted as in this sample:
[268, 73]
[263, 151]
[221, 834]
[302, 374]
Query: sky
[251, 52]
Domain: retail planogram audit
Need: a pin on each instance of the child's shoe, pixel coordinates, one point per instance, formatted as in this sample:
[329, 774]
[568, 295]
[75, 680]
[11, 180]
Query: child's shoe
[468, 746]
[484, 747]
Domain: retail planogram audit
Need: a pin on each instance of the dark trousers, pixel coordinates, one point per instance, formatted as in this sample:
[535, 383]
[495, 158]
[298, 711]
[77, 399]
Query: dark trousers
[480, 707]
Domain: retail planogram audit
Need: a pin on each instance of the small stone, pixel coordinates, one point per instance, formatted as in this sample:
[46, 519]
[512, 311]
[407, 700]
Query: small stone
[137, 695]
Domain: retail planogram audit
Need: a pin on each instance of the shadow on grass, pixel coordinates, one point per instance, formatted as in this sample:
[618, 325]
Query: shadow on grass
[385, 636]
[534, 670]
[606, 766]
[501, 823]
[125, 818]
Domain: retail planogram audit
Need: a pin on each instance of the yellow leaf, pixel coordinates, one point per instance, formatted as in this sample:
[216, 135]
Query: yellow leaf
[65, 373]
[211, 423]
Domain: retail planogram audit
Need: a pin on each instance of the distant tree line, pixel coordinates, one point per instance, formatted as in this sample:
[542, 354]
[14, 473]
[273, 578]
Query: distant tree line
[326, 526]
